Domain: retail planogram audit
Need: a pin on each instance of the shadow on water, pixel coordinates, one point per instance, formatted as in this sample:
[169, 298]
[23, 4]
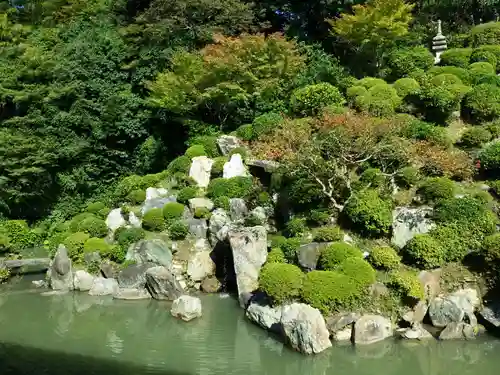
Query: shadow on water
[21, 360]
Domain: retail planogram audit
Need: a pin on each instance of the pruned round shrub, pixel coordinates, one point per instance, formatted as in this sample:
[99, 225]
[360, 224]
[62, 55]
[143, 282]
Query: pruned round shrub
[424, 131]
[266, 123]
[491, 248]
[332, 256]
[328, 290]
[329, 233]
[384, 257]
[136, 197]
[276, 256]
[209, 143]
[94, 226]
[402, 62]
[380, 100]
[202, 213]
[195, 150]
[406, 86]
[355, 91]
[178, 230]
[245, 132]
[74, 244]
[153, 220]
[479, 55]
[319, 216]
[494, 128]
[436, 188]
[461, 73]
[76, 220]
[222, 202]
[127, 236]
[359, 271]
[296, 226]
[493, 49]
[310, 100]
[479, 70]
[438, 102]
[424, 252]
[236, 187]
[289, 246]
[239, 150]
[486, 33]
[218, 167]
[407, 177]
[455, 239]
[19, 234]
[482, 103]
[97, 244]
[446, 79]
[173, 211]
[457, 57]
[95, 207]
[369, 82]
[180, 164]
[5, 245]
[475, 137]
[369, 213]
[280, 281]
[488, 79]
[490, 158]
[187, 193]
[407, 284]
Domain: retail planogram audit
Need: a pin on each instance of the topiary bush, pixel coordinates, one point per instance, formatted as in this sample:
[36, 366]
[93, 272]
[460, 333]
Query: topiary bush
[178, 230]
[202, 213]
[332, 256]
[328, 290]
[475, 137]
[353, 92]
[384, 258]
[180, 164]
[187, 193]
[266, 123]
[486, 33]
[310, 100]
[195, 150]
[369, 213]
[482, 103]
[74, 243]
[445, 79]
[406, 87]
[95, 207]
[424, 131]
[407, 177]
[488, 79]
[297, 226]
[209, 143]
[478, 70]
[136, 197]
[479, 55]
[236, 187]
[424, 252]
[380, 100]
[359, 271]
[403, 61]
[280, 281]
[329, 233]
[153, 220]
[372, 177]
[457, 57]
[407, 284]
[436, 188]
[127, 236]
[461, 73]
[276, 256]
[319, 216]
[490, 158]
[289, 246]
[97, 244]
[369, 82]
[94, 226]
[245, 132]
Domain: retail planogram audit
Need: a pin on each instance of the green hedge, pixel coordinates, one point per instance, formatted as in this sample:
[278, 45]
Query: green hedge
[457, 57]
[195, 150]
[332, 256]
[436, 188]
[369, 213]
[75, 243]
[280, 281]
[486, 34]
[482, 103]
[153, 220]
[310, 100]
[404, 61]
[424, 252]
[359, 271]
[406, 86]
[384, 257]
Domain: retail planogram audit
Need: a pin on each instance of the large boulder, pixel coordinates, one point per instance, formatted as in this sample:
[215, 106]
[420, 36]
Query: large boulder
[152, 193]
[370, 329]
[408, 222]
[162, 284]
[265, 316]
[417, 332]
[235, 167]
[60, 272]
[115, 220]
[340, 325]
[197, 227]
[249, 248]
[237, 209]
[444, 311]
[132, 294]
[149, 204]
[458, 331]
[187, 308]
[268, 166]
[83, 281]
[104, 287]
[134, 276]
[134, 220]
[227, 143]
[211, 285]
[489, 316]
[195, 203]
[219, 226]
[431, 282]
[304, 328]
[200, 266]
[467, 299]
[200, 170]
[155, 251]
[308, 255]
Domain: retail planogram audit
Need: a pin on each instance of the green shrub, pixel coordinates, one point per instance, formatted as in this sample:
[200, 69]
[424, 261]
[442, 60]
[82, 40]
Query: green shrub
[97, 244]
[465, 209]
[195, 150]
[491, 248]
[484, 56]
[209, 144]
[445, 79]
[488, 79]
[406, 86]
[127, 236]
[245, 132]
[494, 128]
[276, 256]
[239, 150]
[187, 193]
[407, 284]
[180, 164]
[436, 188]
[490, 157]
[134, 182]
[266, 123]
[402, 62]
[5, 245]
[369, 82]
[385, 258]
[332, 256]
[178, 230]
[359, 271]
[438, 103]
[482, 103]
[95, 207]
[457, 57]
[136, 197]
[297, 226]
[486, 33]
[222, 202]
[289, 246]
[479, 70]
[94, 226]
[319, 216]
[264, 199]
[424, 131]
[407, 177]
[475, 137]
[456, 240]
[236, 187]
[355, 91]
[4, 274]
[461, 73]
[280, 281]
[369, 213]
[424, 252]
[328, 233]
[19, 235]
[328, 290]
[372, 177]
[74, 243]
[218, 167]
[380, 100]
[202, 213]
[310, 100]
[153, 220]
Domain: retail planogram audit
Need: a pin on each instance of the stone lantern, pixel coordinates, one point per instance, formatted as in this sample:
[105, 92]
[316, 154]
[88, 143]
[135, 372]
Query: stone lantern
[439, 44]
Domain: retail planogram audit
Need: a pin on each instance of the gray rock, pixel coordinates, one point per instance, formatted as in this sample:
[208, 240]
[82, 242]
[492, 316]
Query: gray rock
[134, 220]
[162, 284]
[304, 328]
[195, 203]
[259, 214]
[408, 222]
[308, 255]
[227, 143]
[417, 332]
[109, 270]
[211, 285]
[132, 294]
[237, 209]
[267, 165]
[249, 248]
[115, 219]
[490, 317]
[345, 334]
[152, 193]
[149, 204]
[60, 272]
[370, 329]
[431, 282]
[155, 251]
[104, 287]
[234, 167]
[338, 322]
[219, 226]
[92, 258]
[200, 266]
[134, 276]
[458, 331]
[200, 170]
[265, 316]
[418, 313]
[466, 299]
[83, 281]
[39, 283]
[197, 227]
[444, 311]
[187, 308]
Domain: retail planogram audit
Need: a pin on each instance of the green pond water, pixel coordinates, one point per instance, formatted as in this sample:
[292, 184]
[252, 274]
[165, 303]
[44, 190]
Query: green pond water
[79, 334]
